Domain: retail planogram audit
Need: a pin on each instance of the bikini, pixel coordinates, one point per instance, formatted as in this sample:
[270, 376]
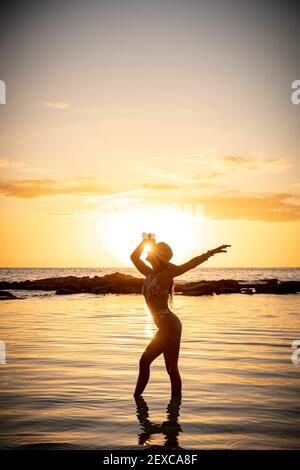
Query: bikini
[151, 288]
[169, 331]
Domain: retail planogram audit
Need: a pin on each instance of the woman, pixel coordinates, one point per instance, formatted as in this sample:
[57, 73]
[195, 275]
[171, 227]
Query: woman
[157, 288]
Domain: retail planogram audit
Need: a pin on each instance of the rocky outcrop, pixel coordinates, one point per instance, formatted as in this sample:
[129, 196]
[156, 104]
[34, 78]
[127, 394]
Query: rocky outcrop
[224, 286]
[118, 283]
[273, 286]
[5, 295]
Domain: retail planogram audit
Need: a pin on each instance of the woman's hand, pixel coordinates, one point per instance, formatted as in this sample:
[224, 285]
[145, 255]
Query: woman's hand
[149, 240]
[219, 249]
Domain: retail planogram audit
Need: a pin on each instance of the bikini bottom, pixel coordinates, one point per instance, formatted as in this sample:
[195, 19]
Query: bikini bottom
[166, 320]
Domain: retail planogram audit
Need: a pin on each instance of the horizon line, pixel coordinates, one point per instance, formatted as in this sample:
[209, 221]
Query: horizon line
[132, 267]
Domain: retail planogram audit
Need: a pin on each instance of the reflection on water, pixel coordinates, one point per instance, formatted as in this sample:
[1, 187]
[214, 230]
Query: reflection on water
[72, 365]
[169, 428]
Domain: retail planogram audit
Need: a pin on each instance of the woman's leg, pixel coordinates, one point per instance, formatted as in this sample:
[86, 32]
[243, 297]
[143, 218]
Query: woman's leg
[171, 354]
[157, 345]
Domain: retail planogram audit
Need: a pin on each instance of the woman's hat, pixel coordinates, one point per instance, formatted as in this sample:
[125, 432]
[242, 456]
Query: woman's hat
[163, 251]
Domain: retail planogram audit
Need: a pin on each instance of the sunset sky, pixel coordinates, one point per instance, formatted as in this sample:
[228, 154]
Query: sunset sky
[173, 117]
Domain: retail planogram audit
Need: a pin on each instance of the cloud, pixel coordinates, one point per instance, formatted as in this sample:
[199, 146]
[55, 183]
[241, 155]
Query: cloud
[56, 104]
[295, 186]
[236, 159]
[211, 175]
[159, 186]
[214, 169]
[176, 179]
[5, 163]
[18, 165]
[259, 207]
[33, 188]
[241, 166]
[277, 163]
[85, 213]
[255, 163]
[226, 205]
[163, 174]
[233, 205]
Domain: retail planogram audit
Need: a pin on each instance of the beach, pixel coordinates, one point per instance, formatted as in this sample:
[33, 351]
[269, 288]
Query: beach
[72, 362]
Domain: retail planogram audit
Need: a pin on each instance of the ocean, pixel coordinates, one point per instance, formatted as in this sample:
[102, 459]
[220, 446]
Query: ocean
[72, 363]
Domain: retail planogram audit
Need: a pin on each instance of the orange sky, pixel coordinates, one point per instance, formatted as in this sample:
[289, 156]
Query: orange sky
[113, 112]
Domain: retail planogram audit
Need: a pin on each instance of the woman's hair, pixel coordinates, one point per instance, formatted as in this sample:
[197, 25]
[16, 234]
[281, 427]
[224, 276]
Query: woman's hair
[171, 292]
[163, 265]
[168, 254]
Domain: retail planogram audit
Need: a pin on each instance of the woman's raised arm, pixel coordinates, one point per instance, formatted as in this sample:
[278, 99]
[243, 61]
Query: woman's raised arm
[136, 258]
[194, 262]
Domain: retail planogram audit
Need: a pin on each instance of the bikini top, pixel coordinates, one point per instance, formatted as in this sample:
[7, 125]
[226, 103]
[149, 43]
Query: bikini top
[151, 286]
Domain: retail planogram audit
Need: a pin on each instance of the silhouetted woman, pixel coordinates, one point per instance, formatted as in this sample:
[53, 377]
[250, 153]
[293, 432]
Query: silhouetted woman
[156, 290]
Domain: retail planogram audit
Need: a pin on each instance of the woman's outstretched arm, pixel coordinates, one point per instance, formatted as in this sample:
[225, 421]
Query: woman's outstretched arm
[194, 262]
[136, 258]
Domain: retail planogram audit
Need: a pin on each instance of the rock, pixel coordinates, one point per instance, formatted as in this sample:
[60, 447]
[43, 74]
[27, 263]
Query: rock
[5, 295]
[246, 290]
[195, 288]
[228, 290]
[198, 291]
[283, 288]
[295, 285]
[65, 291]
[227, 286]
[273, 286]
[118, 283]
[224, 286]
[270, 282]
[97, 291]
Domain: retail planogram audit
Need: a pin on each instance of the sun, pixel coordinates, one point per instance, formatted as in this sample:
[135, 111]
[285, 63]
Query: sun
[121, 231]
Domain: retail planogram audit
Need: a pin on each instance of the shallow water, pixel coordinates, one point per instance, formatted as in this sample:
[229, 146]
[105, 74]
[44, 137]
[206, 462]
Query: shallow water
[72, 365]
[196, 274]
